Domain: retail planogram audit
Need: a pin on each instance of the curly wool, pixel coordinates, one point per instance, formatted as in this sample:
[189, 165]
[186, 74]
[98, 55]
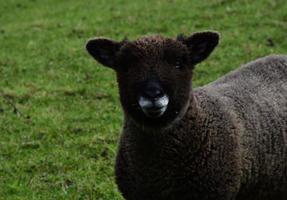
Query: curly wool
[231, 142]
[223, 141]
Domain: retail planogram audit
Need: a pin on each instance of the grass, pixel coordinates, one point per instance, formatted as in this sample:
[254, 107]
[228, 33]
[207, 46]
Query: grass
[60, 116]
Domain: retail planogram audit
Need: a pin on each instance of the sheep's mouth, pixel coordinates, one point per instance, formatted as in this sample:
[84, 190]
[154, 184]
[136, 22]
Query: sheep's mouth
[153, 108]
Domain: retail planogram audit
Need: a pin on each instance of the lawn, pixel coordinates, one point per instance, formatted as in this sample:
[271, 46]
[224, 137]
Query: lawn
[60, 117]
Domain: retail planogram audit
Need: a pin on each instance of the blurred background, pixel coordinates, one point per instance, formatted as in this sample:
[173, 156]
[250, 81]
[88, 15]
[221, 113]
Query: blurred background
[60, 117]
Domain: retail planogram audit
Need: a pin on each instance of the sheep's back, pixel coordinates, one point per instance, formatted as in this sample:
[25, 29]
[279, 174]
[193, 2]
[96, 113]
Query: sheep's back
[255, 96]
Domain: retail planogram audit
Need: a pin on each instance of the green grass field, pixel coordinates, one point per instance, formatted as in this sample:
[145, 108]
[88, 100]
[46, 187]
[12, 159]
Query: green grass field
[60, 117]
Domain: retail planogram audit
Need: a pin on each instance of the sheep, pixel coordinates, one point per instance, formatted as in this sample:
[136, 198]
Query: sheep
[223, 141]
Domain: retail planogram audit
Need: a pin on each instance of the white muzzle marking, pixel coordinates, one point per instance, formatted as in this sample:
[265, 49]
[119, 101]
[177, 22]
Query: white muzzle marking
[155, 108]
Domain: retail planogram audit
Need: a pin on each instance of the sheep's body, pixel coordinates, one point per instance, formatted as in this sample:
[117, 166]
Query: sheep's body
[231, 142]
[224, 141]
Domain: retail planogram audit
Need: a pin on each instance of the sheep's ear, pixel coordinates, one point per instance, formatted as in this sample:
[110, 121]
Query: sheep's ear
[200, 45]
[104, 50]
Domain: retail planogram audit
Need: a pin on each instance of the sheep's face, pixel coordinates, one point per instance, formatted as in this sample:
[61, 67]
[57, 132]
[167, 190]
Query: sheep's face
[154, 73]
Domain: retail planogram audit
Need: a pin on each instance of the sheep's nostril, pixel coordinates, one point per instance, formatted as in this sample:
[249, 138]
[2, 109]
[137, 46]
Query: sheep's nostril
[153, 93]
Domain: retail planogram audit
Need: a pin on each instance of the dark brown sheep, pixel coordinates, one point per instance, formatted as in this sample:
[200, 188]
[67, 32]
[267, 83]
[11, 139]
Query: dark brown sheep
[226, 140]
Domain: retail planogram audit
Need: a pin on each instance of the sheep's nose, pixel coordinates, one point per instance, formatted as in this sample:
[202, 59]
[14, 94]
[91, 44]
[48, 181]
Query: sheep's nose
[153, 93]
[152, 100]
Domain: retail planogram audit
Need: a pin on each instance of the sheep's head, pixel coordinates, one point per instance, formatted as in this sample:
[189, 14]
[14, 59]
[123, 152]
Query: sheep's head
[154, 73]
